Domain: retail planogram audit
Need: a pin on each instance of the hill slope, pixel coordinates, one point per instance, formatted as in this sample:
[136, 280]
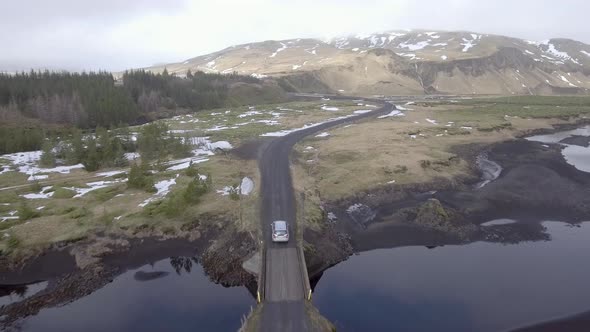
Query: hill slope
[409, 62]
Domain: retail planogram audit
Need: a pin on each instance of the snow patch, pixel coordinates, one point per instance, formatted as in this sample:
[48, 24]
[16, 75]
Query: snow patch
[490, 170]
[259, 76]
[280, 49]
[414, 47]
[361, 214]
[330, 108]
[289, 131]
[498, 222]
[185, 164]
[37, 177]
[401, 108]
[568, 82]
[468, 44]
[249, 113]
[93, 186]
[551, 49]
[131, 155]
[409, 55]
[247, 186]
[27, 163]
[109, 174]
[392, 113]
[324, 134]
[163, 188]
[40, 195]
[332, 217]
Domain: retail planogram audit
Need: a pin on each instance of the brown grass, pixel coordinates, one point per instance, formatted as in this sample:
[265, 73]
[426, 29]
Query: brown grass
[375, 152]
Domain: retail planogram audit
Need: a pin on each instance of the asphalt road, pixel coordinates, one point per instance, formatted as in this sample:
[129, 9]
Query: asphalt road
[284, 288]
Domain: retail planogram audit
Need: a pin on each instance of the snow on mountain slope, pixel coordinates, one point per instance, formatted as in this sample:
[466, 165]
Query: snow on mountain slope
[409, 62]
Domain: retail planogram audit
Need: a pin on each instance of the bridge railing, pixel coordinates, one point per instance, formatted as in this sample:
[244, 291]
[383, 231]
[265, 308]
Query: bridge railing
[262, 274]
[304, 275]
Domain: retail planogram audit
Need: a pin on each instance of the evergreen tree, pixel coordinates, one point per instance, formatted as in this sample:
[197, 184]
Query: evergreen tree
[92, 159]
[192, 170]
[47, 155]
[77, 147]
[195, 189]
[140, 178]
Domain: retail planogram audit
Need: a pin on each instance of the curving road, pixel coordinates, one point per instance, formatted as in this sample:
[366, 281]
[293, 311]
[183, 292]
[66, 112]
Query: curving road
[284, 286]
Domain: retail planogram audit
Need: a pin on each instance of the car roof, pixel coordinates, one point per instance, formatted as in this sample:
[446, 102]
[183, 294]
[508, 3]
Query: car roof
[280, 225]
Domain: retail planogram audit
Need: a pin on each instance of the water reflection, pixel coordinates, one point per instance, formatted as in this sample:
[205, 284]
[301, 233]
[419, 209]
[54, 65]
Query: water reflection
[15, 293]
[575, 155]
[183, 263]
[476, 287]
[172, 295]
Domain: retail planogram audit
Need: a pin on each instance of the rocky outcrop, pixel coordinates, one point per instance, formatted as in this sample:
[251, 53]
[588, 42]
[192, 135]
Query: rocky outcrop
[223, 260]
[433, 215]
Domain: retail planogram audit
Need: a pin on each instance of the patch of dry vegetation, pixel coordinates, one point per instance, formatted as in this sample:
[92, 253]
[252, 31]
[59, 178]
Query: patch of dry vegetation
[410, 149]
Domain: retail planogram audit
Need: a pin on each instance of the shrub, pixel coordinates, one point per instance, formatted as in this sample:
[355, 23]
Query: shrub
[234, 193]
[79, 213]
[104, 194]
[47, 156]
[36, 186]
[140, 178]
[63, 193]
[192, 170]
[195, 189]
[25, 212]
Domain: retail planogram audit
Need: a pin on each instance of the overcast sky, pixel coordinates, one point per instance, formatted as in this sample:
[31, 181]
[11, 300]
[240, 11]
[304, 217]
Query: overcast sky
[120, 34]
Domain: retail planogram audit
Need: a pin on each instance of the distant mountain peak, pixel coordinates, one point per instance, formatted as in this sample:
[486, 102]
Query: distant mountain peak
[415, 61]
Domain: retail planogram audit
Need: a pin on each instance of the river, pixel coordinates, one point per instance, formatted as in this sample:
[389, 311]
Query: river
[475, 287]
[152, 298]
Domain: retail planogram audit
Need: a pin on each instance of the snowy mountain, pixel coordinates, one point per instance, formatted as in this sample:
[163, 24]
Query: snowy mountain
[409, 62]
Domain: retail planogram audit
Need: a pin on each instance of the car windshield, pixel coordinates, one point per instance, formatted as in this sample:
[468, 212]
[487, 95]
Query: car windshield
[280, 233]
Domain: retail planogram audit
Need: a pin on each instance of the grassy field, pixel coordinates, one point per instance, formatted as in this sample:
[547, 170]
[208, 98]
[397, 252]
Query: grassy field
[376, 152]
[417, 147]
[59, 212]
[242, 123]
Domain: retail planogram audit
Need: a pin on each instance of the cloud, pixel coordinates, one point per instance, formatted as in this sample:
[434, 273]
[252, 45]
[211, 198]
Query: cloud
[114, 34]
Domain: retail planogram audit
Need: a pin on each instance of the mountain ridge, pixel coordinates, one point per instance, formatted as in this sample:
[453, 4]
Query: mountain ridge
[408, 62]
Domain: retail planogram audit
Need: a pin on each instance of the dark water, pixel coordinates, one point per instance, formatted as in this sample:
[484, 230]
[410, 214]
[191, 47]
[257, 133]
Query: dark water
[152, 298]
[12, 294]
[475, 287]
[577, 156]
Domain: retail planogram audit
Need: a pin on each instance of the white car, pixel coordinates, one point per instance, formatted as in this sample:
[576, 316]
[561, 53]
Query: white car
[280, 231]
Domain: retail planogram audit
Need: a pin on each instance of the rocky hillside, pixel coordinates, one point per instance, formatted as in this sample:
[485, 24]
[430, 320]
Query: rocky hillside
[409, 62]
